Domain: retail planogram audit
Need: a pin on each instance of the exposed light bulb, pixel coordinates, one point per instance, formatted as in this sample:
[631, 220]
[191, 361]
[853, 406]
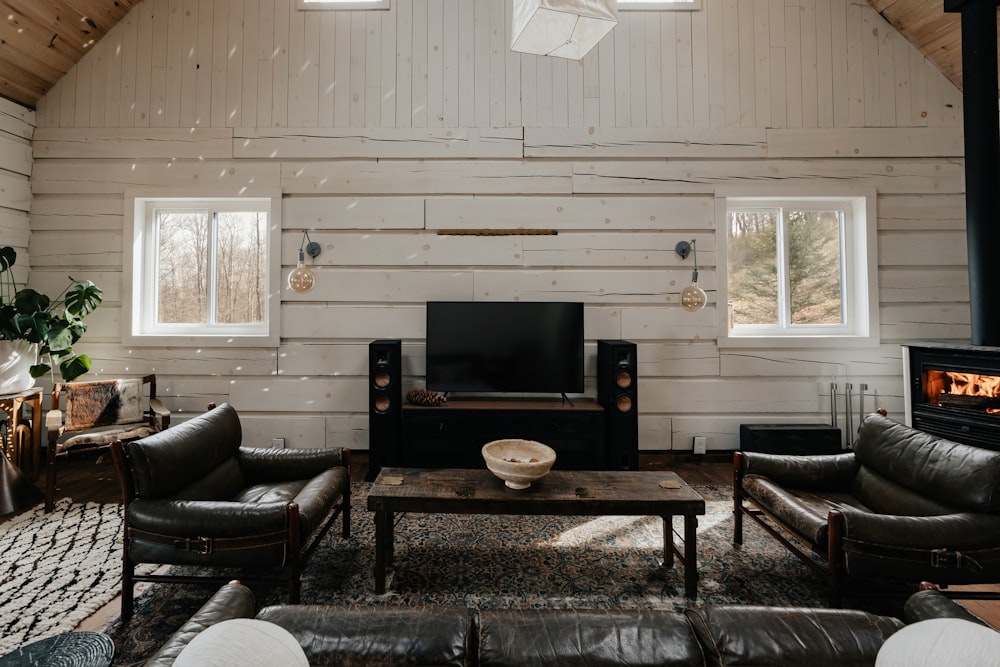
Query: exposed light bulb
[693, 298]
[301, 279]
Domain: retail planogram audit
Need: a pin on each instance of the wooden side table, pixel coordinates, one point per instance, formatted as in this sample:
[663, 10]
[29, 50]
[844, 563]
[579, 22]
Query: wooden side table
[13, 404]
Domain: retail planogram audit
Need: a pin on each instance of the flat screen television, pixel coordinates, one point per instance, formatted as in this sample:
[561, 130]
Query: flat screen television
[505, 347]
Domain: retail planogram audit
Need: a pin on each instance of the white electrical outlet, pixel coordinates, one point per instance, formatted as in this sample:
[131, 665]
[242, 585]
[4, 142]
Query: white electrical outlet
[700, 442]
[278, 443]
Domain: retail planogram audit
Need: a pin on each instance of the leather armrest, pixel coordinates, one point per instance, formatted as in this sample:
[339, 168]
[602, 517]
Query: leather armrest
[829, 471]
[206, 518]
[964, 530]
[932, 603]
[266, 464]
[231, 601]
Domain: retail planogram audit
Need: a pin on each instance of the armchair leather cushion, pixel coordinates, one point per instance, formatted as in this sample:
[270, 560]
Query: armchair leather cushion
[885, 496]
[218, 520]
[961, 476]
[805, 512]
[171, 460]
[789, 637]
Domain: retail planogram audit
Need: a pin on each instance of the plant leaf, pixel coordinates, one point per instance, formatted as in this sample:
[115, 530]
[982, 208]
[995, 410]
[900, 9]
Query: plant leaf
[7, 257]
[74, 367]
[83, 298]
[39, 370]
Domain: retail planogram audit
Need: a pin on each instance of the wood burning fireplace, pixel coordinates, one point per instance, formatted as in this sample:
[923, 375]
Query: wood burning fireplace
[954, 391]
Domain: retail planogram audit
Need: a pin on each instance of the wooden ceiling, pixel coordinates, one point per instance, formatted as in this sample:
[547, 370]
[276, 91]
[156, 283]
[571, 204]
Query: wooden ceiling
[40, 40]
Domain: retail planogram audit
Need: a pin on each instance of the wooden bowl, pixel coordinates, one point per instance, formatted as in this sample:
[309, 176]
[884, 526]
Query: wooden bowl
[518, 462]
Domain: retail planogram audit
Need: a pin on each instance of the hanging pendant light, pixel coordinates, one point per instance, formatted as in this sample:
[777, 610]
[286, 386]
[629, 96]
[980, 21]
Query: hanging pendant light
[693, 298]
[302, 279]
[562, 28]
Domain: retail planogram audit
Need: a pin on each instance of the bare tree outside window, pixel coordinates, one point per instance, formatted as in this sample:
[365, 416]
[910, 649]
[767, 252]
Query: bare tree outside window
[240, 267]
[211, 266]
[182, 283]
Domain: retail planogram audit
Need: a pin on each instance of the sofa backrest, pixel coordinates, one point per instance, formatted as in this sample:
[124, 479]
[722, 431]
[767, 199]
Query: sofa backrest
[572, 638]
[953, 474]
[200, 452]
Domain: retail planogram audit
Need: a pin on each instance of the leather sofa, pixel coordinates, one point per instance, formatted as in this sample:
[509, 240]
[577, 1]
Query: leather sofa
[903, 506]
[459, 637]
[195, 496]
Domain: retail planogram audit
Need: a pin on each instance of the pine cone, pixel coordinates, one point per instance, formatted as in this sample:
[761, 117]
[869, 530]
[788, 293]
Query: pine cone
[425, 397]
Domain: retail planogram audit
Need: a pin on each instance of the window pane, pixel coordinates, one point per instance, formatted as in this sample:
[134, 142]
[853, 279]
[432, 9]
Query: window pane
[752, 266]
[240, 267]
[814, 272]
[182, 266]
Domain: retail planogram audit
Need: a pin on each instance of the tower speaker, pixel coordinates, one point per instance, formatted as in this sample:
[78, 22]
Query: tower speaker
[617, 392]
[385, 404]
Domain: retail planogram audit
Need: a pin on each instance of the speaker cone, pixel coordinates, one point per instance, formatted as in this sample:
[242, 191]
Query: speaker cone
[382, 404]
[623, 403]
[623, 379]
[382, 379]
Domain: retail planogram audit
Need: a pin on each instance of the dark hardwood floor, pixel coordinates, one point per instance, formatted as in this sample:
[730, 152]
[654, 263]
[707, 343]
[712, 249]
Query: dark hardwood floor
[90, 479]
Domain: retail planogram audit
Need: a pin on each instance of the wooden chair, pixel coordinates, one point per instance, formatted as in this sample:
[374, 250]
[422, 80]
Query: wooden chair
[89, 416]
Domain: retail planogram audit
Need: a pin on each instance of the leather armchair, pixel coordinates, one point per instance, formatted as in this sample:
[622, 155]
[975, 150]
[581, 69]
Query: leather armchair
[194, 496]
[904, 506]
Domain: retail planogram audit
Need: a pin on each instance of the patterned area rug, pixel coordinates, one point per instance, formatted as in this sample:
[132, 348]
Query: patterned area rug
[515, 562]
[57, 569]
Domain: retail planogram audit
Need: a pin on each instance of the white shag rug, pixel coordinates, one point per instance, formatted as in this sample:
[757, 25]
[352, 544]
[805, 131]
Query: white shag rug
[57, 569]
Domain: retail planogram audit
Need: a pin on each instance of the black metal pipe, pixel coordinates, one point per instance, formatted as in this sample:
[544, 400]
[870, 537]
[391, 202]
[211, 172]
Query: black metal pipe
[982, 163]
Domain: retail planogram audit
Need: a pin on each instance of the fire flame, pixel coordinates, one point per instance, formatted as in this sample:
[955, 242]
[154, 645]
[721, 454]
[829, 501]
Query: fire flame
[973, 384]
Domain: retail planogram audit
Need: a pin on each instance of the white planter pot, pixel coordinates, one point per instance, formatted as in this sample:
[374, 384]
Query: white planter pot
[16, 358]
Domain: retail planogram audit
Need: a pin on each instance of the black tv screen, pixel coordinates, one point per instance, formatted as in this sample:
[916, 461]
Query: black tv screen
[505, 347]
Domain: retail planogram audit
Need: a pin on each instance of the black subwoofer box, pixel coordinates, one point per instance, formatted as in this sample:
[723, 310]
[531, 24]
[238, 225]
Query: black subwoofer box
[796, 439]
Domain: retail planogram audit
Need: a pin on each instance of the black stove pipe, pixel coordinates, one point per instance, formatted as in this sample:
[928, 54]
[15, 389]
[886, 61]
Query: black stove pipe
[982, 163]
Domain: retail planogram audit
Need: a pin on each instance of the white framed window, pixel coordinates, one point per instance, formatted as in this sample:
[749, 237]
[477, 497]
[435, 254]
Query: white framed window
[647, 5]
[342, 4]
[799, 268]
[203, 271]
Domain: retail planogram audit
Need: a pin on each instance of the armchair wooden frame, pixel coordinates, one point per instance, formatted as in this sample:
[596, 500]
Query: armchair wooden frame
[831, 566]
[157, 416]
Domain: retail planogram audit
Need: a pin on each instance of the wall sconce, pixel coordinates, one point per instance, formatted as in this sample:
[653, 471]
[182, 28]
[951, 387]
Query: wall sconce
[693, 298]
[563, 28]
[302, 279]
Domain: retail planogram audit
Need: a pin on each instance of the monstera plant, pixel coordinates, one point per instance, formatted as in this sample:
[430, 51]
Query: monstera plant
[52, 325]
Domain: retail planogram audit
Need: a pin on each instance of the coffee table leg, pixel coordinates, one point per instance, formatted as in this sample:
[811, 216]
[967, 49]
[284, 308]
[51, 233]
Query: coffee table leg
[383, 547]
[691, 556]
[668, 541]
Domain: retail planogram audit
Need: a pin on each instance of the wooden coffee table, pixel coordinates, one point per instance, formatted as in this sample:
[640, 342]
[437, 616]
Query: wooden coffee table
[561, 492]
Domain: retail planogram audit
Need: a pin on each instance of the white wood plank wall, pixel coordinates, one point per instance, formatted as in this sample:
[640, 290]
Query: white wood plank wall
[17, 126]
[382, 128]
